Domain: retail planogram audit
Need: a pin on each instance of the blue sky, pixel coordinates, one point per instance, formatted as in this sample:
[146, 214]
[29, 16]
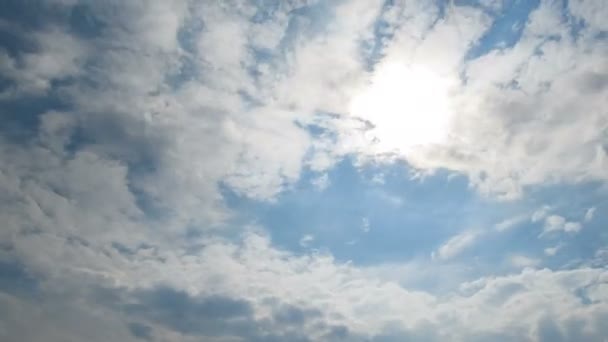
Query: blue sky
[307, 170]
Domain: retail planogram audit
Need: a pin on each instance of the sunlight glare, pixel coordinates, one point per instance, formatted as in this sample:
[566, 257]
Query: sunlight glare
[408, 106]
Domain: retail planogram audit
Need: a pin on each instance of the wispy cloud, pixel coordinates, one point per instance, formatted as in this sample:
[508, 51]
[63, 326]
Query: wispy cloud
[540, 214]
[510, 223]
[306, 240]
[321, 182]
[552, 251]
[521, 261]
[456, 245]
[365, 225]
[589, 214]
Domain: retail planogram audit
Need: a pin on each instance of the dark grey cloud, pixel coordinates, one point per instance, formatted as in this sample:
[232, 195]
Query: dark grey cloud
[19, 18]
[142, 331]
[15, 279]
[217, 316]
[594, 82]
[181, 312]
[293, 315]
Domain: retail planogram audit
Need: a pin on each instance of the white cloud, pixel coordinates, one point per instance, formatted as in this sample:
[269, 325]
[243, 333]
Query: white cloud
[552, 251]
[591, 12]
[306, 240]
[321, 182]
[556, 223]
[365, 225]
[378, 178]
[540, 214]
[264, 151]
[572, 227]
[347, 296]
[510, 223]
[456, 245]
[538, 92]
[589, 214]
[522, 261]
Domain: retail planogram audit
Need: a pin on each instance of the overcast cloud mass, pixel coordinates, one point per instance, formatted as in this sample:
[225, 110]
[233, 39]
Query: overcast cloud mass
[303, 170]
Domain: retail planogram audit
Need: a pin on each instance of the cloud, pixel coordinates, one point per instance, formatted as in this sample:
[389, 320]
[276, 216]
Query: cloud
[511, 223]
[190, 315]
[556, 223]
[178, 135]
[526, 136]
[456, 245]
[263, 152]
[540, 214]
[591, 13]
[552, 251]
[254, 291]
[306, 240]
[365, 225]
[141, 331]
[321, 182]
[522, 261]
[58, 319]
[589, 214]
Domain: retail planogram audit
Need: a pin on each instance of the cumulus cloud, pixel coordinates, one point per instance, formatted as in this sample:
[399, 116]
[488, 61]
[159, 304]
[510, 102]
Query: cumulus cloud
[556, 223]
[538, 91]
[252, 290]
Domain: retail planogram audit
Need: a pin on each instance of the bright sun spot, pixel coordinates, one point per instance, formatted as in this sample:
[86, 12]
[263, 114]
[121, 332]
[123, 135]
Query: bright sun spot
[408, 106]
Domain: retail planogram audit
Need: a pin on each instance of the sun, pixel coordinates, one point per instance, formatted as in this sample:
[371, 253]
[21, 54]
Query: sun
[408, 106]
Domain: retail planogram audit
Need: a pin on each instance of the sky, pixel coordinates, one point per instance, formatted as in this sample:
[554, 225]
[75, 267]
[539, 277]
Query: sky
[303, 170]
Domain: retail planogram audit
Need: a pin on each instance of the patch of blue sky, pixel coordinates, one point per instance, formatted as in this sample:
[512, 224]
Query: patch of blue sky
[490, 7]
[187, 70]
[307, 21]
[383, 32]
[506, 29]
[30, 14]
[406, 217]
[84, 22]
[265, 10]
[442, 6]
[371, 49]
[319, 125]
[20, 116]
[573, 202]
[525, 238]
[574, 24]
[379, 214]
